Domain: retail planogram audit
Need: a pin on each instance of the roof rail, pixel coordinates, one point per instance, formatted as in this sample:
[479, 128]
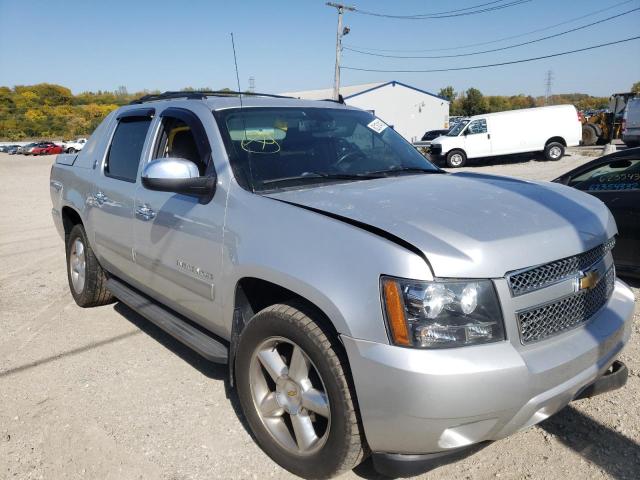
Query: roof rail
[200, 95]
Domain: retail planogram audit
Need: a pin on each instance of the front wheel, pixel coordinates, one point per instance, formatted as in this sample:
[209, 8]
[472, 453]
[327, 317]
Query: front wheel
[553, 151]
[293, 389]
[71, 150]
[456, 158]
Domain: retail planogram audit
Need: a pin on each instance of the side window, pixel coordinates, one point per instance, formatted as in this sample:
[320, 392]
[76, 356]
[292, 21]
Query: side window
[124, 154]
[176, 140]
[613, 176]
[477, 126]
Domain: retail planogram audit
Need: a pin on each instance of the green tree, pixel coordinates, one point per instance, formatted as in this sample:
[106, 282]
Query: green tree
[474, 103]
[635, 88]
[447, 92]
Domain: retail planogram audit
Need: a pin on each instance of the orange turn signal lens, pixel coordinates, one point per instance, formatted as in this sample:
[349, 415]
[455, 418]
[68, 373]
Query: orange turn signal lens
[395, 313]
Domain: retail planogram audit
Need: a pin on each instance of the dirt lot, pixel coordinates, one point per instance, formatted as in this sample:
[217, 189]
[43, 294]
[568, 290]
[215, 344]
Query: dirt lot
[100, 393]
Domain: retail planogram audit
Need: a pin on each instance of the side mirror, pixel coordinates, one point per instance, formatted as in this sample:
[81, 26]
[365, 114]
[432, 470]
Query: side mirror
[177, 175]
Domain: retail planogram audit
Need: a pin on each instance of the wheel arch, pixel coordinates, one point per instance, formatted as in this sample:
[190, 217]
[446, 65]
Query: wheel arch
[253, 294]
[560, 140]
[70, 218]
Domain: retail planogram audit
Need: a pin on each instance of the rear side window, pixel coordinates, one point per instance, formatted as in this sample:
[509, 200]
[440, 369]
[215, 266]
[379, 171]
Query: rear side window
[124, 154]
[613, 176]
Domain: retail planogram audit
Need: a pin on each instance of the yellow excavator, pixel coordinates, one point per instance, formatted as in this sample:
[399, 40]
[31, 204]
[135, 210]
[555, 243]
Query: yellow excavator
[605, 126]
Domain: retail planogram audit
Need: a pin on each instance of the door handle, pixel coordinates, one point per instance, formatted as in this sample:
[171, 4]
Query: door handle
[100, 198]
[488, 135]
[145, 213]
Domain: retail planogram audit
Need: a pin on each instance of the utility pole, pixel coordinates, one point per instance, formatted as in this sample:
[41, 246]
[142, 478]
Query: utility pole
[342, 31]
[548, 83]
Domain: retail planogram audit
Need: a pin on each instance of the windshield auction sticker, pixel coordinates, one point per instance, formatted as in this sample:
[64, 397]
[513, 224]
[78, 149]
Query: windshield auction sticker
[377, 125]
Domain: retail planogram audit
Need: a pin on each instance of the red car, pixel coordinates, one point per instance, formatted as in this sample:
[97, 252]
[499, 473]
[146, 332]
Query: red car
[45, 148]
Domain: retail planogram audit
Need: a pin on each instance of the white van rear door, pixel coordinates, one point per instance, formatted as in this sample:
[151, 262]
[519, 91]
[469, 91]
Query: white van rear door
[477, 139]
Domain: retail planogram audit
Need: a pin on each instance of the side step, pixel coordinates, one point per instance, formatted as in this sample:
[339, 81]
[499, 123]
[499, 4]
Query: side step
[207, 346]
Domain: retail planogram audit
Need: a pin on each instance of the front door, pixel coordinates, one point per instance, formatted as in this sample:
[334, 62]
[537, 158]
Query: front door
[114, 193]
[477, 140]
[178, 238]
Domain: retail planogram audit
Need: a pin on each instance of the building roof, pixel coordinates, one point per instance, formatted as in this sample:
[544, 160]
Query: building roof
[353, 90]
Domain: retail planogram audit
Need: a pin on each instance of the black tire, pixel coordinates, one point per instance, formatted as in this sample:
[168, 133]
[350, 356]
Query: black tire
[589, 136]
[343, 448]
[94, 290]
[553, 151]
[71, 150]
[456, 159]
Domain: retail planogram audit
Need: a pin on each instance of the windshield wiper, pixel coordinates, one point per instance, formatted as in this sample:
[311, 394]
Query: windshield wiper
[404, 170]
[323, 175]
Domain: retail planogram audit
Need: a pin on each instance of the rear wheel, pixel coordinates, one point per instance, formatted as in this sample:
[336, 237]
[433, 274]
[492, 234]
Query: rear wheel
[293, 388]
[553, 151]
[71, 150]
[456, 158]
[87, 279]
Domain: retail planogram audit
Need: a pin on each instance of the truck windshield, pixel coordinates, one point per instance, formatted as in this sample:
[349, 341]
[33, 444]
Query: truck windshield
[455, 131]
[272, 148]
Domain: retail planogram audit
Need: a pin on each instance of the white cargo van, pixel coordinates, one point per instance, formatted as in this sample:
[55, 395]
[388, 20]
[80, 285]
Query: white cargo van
[542, 129]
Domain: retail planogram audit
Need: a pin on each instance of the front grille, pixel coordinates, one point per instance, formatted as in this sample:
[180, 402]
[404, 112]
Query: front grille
[566, 313]
[534, 278]
[435, 149]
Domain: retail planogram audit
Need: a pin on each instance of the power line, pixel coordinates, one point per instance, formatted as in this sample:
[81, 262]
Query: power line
[592, 47]
[450, 13]
[497, 49]
[511, 37]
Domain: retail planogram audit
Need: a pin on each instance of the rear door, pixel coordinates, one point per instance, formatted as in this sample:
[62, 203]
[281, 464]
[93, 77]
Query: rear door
[477, 141]
[114, 192]
[617, 184]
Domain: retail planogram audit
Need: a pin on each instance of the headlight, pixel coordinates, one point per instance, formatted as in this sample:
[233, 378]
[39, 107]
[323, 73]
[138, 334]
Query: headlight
[441, 314]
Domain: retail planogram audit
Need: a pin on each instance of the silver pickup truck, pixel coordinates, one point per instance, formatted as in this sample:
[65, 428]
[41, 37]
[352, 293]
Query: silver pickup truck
[367, 303]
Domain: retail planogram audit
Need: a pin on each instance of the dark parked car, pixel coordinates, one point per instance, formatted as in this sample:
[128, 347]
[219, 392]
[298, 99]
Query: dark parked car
[615, 179]
[6, 148]
[433, 134]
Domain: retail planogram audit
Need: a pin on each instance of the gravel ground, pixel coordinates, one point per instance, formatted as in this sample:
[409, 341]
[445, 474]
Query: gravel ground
[103, 394]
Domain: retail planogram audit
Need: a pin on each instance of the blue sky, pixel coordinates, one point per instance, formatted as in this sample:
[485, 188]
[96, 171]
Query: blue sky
[290, 45]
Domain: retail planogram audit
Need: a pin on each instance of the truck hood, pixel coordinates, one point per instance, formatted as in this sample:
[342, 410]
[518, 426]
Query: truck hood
[469, 225]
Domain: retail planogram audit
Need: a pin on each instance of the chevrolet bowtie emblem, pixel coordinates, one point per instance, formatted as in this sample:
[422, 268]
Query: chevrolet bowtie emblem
[588, 280]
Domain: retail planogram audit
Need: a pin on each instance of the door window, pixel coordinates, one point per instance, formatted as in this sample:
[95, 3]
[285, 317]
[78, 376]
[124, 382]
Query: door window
[612, 176]
[477, 126]
[176, 140]
[124, 153]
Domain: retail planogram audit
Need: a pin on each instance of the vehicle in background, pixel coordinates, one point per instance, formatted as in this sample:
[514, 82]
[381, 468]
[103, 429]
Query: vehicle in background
[46, 148]
[25, 149]
[433, 134]
[544, 129]
[74, 146]
[602, 126]
[615, 179]
[631, 123]
[13, 149]
[6, 148]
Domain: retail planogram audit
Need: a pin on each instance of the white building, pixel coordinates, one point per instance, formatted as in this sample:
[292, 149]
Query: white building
[409, 110]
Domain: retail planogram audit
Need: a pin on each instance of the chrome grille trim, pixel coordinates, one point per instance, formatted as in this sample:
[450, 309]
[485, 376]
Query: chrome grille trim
[535, 278]
[544, 321]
